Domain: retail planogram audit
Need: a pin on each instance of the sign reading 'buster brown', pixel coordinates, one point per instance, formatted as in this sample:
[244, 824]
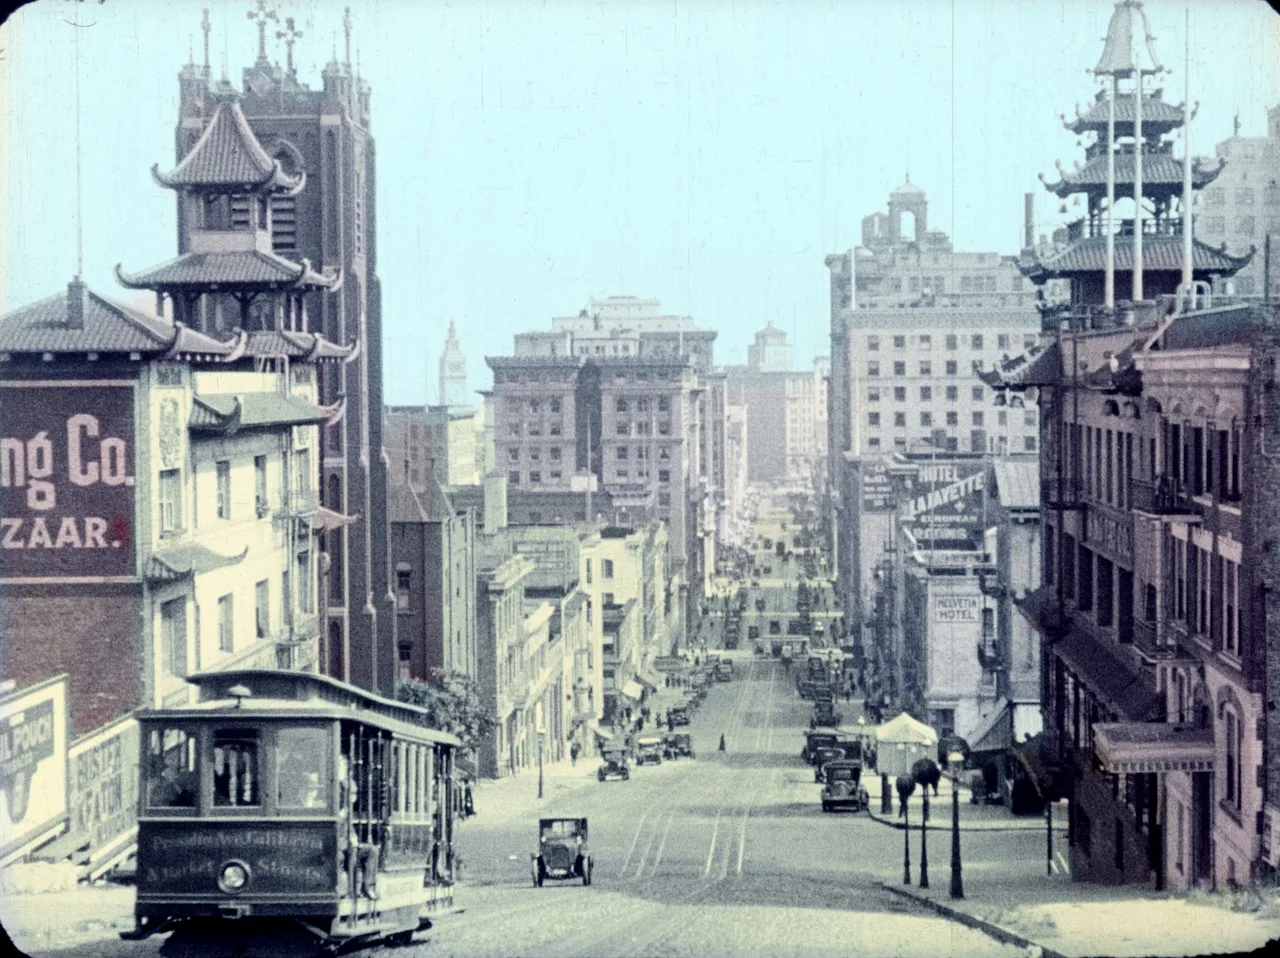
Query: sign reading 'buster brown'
[66, 480]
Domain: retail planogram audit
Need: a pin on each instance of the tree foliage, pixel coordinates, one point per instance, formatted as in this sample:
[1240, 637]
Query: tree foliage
[453, 705]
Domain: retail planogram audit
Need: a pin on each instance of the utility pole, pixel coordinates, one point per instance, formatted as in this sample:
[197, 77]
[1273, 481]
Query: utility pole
[924, 837]
[957, 881]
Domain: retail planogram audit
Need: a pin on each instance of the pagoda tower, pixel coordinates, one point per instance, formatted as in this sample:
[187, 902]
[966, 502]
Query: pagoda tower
[1129, 244]
[230, 278]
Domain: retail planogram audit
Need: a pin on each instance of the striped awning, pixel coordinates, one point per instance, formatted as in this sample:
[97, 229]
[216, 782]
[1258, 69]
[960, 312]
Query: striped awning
[633, 690]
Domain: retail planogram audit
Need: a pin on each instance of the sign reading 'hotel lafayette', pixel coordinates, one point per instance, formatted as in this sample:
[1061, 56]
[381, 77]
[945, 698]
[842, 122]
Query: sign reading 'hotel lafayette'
[66, 480]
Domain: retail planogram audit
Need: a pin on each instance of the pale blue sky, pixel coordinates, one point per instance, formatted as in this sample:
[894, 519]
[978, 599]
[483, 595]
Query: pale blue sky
[531, 155]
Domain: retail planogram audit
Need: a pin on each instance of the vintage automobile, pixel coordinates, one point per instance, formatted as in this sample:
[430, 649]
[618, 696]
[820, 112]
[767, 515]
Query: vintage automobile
[724, 671]
[842, 786]
[563, 852]
[677, 745]
[678, 715]
[649, 750]
[615, 765]
[759, 603]
[814, 740]
[753, 632]
[824, 713]
[823, 755]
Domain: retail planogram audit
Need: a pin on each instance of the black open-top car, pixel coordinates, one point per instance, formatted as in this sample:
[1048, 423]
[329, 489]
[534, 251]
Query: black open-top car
[563, 852]
[678, 716]
[615, 765]
[822, 756]
[842, 786]
[677, 745]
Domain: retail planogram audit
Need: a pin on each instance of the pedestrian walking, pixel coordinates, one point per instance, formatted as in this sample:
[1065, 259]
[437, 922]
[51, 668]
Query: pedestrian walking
[722, 741]
[573, 754]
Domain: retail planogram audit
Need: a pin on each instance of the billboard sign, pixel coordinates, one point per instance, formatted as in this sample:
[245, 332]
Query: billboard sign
[944, 508]
[877, 487]
[33, 764]
[66, 480]
[103, 785]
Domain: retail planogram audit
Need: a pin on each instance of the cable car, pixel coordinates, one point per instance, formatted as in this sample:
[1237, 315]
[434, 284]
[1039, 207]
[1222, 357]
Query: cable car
[286, 813]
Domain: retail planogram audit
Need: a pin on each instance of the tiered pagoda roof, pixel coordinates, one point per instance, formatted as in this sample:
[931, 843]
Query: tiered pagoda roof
[228, 158]
[1157, 115]
[304, 347]
[57, 324]
[1160, 252]
[233, 270]
[1161, 172]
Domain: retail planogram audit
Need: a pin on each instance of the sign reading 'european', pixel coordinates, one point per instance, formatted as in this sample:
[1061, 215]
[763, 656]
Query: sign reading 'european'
[66, 480]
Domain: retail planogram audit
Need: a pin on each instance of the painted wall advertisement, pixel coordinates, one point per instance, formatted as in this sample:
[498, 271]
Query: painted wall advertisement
[33, 764]
[66, 480]
[945, 506]
[104, 785]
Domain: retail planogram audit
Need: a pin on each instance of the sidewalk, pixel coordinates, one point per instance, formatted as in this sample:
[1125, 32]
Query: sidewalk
[60, 919]
[509, 799]
[1075, 919]
[973, 818]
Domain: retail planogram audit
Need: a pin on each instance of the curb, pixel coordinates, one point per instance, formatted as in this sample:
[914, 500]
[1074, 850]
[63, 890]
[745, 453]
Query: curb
[1002, 935]
[971, 829]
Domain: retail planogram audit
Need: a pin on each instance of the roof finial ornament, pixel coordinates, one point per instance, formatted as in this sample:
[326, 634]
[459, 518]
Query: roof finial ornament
[260, 16]
[1235, 123]
[205, 27]
[290, 35]
[346, 32]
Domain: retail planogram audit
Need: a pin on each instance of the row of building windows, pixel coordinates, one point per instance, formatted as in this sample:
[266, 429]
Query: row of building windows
[925, 368]
[1244, 225]
[874, 419]
[1243, 196]
[225, 508]
[951, 393]
[640, 404]
[937, 283]
[173, 616]
[979, 441]
[925, 341]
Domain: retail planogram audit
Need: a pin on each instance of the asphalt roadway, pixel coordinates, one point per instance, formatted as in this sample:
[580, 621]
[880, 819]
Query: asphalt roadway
[726, 854]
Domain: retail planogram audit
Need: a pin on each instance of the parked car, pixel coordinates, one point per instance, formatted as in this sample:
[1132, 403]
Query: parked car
[842, 787]
[649, 750]
[563, 852]
[678, 715]
[615, 765]
[822, 757]
[825, 714]
[724, 671]
[815, 740]
[678, 745]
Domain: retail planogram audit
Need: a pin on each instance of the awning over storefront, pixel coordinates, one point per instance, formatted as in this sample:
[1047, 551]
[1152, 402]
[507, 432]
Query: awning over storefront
[648, 680]
[633, 690]
[1136, 748]
[995, 734]
[601, 733]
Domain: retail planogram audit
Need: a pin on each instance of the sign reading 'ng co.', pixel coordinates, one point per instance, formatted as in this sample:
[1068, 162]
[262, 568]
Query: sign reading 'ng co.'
[66, 480]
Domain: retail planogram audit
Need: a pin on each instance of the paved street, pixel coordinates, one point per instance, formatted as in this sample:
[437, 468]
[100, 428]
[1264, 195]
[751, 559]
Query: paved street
[726, 854]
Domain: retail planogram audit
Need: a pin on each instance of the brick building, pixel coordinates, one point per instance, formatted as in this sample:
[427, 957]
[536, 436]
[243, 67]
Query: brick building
[330, 220]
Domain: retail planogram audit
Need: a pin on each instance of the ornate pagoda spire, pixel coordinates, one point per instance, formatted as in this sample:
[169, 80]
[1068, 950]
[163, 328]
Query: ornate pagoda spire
[1125, 50]
[228, 158]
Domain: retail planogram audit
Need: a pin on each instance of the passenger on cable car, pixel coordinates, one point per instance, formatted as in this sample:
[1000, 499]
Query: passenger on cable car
[366, 853]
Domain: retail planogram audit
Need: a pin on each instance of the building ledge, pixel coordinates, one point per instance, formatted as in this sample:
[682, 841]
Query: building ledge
[1136, 748]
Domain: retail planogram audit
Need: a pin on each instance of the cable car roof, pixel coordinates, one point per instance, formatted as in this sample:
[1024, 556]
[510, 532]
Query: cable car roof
[276, 693]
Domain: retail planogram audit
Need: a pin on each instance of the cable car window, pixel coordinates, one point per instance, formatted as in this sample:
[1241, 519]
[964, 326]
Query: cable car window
[173, 780]
[235, 768]
[300, 767]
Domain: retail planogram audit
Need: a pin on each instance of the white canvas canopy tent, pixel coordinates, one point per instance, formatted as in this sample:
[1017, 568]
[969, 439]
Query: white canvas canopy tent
[903, 741]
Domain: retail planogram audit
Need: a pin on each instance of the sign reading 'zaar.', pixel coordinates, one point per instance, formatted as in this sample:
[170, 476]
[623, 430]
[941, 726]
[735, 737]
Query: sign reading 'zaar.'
[66, 480]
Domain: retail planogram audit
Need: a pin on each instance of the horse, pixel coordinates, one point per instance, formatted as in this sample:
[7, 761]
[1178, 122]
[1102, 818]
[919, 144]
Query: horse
[927, 773]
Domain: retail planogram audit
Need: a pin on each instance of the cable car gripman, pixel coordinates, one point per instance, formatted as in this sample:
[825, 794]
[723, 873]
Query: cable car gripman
[284, 812]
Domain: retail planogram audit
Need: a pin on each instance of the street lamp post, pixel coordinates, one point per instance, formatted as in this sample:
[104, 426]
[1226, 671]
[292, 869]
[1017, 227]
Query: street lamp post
[906, 843]
[957, 881]
[542, 737]
[924, 836]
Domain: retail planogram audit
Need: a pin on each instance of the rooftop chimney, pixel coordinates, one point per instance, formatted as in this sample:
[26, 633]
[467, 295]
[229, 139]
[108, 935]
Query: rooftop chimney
[75, 304]
[1029, 220]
